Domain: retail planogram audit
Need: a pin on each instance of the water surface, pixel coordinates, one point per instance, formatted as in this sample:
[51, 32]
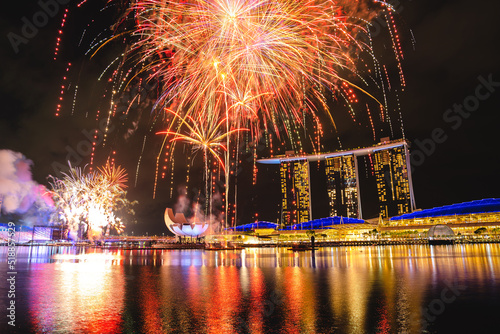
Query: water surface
[377, 289]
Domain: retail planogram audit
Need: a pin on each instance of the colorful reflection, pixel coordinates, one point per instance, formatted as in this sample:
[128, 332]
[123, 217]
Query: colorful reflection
[73, 294]
[346, 289]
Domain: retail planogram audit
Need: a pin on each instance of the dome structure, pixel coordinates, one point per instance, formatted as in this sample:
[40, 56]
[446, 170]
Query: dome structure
[440, 231]
[178, 225]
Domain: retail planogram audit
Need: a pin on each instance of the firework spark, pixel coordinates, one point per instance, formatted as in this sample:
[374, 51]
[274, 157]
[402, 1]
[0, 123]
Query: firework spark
[282, 53]
[203, 135]
[251, 63]
[88, 202]
[262, 65]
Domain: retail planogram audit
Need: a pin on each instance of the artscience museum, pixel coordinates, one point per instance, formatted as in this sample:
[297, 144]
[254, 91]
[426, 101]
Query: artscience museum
[178, 225]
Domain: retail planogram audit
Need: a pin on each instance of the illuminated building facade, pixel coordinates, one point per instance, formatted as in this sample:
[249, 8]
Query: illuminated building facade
[464, 218]
[295, 194]
[389, 192]
[393, 185]
[342, 185]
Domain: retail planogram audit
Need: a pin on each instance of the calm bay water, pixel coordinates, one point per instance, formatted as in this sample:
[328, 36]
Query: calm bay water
[379, 289]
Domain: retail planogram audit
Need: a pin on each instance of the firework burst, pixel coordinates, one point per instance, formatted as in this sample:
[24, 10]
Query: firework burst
[254, 64]
[281, 54]
[203, 135]
[221, 66]
[87, 203]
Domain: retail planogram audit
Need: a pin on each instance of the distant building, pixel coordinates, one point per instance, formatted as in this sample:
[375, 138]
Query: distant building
[390, 187]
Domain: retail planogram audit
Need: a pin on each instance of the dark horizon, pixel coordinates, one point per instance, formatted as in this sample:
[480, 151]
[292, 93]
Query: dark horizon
[449, 109]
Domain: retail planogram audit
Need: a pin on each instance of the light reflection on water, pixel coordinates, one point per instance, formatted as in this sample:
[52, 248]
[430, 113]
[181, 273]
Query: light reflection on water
[344, 289]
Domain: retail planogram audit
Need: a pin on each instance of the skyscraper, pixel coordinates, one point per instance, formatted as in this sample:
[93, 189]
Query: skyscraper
[389, 185]
[342, 187]
[393, 185]
[295, 192]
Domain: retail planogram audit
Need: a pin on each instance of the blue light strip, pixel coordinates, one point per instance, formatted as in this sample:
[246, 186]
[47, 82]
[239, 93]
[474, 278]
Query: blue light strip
[322, 223]
[475, 207]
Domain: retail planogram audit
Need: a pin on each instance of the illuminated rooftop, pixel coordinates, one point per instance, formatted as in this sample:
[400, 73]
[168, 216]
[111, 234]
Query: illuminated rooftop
[324, 223]
[479, 206]
[316, 224]
[317, 157]
[253, 226]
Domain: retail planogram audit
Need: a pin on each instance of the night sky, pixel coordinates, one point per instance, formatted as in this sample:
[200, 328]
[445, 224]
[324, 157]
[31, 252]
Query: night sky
[456, 50]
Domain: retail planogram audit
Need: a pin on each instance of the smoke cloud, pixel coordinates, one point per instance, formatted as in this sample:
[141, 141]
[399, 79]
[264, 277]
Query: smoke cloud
[19, 194]
[194, 213]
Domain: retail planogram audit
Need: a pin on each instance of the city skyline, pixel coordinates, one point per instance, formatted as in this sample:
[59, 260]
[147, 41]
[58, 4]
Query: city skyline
[447, 142]
[346, 188]
[249, 166]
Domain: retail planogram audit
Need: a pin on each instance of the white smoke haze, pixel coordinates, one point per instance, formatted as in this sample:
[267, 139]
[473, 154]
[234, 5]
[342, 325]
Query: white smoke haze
[183, 202]
[194, 211]
[19, 194]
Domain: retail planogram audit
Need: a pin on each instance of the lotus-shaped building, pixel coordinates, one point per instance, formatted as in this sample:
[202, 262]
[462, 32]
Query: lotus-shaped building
[178, 225]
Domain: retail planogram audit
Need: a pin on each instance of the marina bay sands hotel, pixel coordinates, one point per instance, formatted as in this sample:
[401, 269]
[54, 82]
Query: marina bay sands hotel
[361, 183]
